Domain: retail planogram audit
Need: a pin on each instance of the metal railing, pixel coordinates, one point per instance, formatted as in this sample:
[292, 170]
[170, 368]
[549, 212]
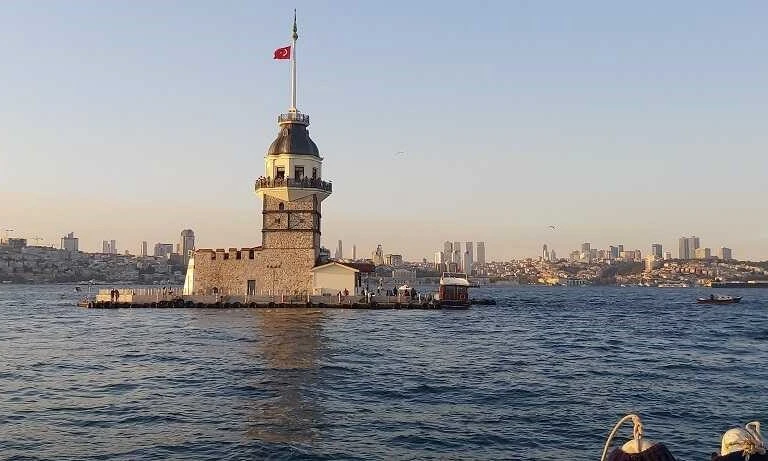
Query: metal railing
[305, 183]
[293, 117]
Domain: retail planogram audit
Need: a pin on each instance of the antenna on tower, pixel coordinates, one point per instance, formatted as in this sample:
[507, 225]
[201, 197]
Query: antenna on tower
[294, 37]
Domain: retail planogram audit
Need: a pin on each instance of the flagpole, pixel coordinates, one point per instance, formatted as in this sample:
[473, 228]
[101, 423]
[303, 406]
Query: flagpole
[294, 37]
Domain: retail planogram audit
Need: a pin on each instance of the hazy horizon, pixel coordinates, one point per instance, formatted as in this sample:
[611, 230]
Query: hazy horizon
[619, 124]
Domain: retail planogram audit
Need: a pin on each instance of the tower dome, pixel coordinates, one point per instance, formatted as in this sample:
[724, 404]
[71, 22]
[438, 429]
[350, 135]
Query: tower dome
[293, 136]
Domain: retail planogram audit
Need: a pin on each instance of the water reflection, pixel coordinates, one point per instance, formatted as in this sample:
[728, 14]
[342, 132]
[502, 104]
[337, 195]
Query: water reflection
[290, 344]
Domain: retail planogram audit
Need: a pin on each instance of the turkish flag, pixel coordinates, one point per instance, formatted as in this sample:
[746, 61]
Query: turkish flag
[283, 53]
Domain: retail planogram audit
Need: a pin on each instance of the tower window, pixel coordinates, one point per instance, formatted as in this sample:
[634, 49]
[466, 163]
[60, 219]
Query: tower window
[314, 173]
[280, 172]
[281, 207]
[298, 173]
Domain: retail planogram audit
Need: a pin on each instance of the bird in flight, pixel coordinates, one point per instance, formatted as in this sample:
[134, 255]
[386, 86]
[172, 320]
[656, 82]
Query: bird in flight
[551, 227]
[400, 152]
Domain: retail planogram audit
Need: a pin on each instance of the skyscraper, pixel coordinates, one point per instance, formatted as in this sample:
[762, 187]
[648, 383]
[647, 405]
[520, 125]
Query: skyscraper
[354, 252]
[687, 247]
[726, 254]
[656, 251]
[613, 252]
[70, 243]
[469, 249]
[481, 253]
[468, 260]
[144, 248]
[457, 253]
[545, 253]
[339, 251]
[439, 261]
[447, 252]
[113, 247]
[186, 245]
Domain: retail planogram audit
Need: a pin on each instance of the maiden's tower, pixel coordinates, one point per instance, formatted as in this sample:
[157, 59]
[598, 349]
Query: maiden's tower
[292, 190]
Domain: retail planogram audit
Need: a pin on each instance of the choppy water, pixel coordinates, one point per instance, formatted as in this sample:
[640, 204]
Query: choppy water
[543, 375]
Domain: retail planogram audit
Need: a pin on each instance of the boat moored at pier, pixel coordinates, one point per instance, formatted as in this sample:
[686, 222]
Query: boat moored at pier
[454, 290]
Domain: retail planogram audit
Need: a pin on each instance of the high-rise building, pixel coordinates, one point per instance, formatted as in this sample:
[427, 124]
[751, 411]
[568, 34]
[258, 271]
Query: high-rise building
[667, 255]
[620, 248]
[163, 250]
[468, 260]
[469, 248]
[457, 254]
[448, 252]
[109, 247]
[613, 252]
[552, 255]
[585, 247]
[144, 249]
[656, 251]
[339, 251]
[650, 262]
[687, 247]
[70, 243]
[481, 253]
[544, 253]
[726, 254]
[113, 247]
[354, 252]
[703, 253]
[439, 261]
[186, 245]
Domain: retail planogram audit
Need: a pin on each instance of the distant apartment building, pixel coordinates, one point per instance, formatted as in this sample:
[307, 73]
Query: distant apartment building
[469, 247]
[439, 261]
[613, 252]
[725, 254]
[687, 247]
[354, 252]
[552, 255]
[468, 262]
[339, 251]
[186, 245]
[667, 255]
[70, 243]
[393, 260]
[144, 249]
[448, 251]
[703, 253]
[657, 251]
[109, 247]
[163, 250]
[15, 243]
[457, 253]
[481, 253]
[651, 262]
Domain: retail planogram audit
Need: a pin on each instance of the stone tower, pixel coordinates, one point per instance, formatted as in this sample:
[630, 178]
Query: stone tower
[292, 188]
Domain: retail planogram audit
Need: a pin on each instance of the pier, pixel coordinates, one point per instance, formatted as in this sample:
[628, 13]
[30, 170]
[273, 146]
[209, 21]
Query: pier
[157, 298]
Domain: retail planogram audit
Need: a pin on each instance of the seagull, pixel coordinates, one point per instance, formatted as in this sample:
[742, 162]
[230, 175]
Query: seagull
[400, 152]
[551, 227]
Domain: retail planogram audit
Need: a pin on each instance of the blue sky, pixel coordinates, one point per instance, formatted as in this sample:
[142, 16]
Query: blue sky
[618, 123]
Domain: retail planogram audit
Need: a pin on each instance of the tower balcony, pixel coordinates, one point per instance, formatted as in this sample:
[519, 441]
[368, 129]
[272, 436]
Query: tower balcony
[293, 117]
[291, 188]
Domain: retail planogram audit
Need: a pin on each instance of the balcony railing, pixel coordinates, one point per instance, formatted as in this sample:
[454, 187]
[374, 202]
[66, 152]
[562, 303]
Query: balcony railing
[297, 117]
[304, 183]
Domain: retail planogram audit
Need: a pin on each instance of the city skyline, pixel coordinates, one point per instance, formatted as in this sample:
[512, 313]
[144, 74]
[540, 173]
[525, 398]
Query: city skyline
[599, 118]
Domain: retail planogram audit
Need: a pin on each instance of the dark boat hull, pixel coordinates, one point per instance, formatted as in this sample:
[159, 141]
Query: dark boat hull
[718, 301]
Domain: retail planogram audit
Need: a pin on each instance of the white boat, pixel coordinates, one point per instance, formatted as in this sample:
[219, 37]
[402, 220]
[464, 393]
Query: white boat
[454, 290]
[673, 285]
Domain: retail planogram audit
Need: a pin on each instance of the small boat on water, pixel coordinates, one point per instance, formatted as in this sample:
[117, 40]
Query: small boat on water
[719, 300]
[454, 290]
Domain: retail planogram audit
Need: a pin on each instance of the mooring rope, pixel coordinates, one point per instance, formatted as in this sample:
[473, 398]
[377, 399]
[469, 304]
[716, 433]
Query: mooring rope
[637, 432]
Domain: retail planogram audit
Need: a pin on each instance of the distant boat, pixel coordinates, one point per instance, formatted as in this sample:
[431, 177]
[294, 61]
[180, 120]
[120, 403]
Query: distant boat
[7, 281]
[673, 285]
[719, 300]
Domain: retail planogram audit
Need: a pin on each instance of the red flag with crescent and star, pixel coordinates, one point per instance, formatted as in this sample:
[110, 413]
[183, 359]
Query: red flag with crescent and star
[283, 53]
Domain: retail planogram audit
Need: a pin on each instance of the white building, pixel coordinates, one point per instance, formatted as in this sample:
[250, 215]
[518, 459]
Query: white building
[70, 242]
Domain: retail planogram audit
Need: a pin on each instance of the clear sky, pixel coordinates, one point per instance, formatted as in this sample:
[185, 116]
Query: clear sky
[616, 122]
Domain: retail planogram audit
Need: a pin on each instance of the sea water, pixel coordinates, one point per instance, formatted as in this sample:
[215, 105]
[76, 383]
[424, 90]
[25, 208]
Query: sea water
[544, 374]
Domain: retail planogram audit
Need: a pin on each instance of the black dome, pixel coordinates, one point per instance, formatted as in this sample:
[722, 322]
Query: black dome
[293, 138]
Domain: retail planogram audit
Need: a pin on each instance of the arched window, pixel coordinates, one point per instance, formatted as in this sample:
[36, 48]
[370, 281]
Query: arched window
[281, 207]
[215, 290]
